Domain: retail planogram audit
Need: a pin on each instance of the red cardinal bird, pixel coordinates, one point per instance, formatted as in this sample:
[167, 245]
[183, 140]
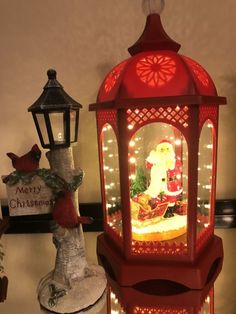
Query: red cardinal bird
[28, 162]
[64, 212]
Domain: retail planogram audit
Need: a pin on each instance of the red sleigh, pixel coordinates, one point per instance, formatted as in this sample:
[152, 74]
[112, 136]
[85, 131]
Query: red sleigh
[158, 211]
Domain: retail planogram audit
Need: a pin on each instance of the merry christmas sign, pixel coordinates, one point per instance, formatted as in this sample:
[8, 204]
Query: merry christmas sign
[30, 190]
[29, 199]
[29, 194]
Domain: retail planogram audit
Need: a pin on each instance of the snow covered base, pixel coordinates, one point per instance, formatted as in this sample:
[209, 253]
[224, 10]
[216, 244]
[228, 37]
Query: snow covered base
[83, 294]
[166, 229]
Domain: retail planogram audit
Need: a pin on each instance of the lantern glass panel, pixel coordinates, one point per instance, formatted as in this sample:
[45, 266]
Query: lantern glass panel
[43, 128]
[73, 130]
[205, 168]
[158, 183]
[58, 127]
[111, 179]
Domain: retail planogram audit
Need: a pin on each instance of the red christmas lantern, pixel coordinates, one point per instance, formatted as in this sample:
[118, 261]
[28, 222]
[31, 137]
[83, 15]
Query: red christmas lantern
[157, 123]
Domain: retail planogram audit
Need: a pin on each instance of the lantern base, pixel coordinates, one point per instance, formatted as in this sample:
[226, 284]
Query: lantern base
[192, 275]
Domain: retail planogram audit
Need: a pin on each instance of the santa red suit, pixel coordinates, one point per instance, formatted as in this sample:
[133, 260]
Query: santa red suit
[165, 173]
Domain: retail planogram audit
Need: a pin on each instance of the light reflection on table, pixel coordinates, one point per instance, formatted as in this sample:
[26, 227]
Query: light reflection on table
[217, 297]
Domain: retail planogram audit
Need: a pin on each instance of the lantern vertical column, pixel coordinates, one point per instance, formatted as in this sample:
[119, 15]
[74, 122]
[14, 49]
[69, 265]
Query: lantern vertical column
[192, 180]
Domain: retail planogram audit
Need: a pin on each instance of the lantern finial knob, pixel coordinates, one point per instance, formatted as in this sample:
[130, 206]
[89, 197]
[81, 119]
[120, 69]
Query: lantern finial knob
[153, 6]
[52, 79]
[154, 36]
[52, 74]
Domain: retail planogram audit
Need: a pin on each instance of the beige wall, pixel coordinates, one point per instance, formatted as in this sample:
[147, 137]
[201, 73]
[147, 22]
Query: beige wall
[82, 40]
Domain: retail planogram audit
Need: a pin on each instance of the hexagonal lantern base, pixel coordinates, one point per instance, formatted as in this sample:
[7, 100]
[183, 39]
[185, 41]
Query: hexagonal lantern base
[192, 275]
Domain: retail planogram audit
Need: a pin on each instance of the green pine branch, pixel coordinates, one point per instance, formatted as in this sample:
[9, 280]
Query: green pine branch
[139, 184]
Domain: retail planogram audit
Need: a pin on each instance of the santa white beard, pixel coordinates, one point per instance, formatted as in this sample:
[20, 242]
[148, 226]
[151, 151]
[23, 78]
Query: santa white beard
[161, 162]
[157, 183]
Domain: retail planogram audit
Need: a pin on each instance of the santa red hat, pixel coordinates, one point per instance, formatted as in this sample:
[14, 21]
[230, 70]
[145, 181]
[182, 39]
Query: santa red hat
[165, 141]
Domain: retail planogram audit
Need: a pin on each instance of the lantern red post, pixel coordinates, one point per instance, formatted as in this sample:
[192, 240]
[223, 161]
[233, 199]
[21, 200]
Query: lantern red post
[158, 224]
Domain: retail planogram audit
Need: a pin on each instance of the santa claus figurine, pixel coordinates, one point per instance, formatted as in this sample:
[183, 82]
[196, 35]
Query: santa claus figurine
[165, 174]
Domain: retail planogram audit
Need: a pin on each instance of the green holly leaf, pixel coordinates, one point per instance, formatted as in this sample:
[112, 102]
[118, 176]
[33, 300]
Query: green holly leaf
[27, 177]
[12, 178]
[52, 180]
[76, 181]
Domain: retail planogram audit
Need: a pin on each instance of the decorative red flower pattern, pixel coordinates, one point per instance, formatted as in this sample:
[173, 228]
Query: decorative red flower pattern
[198, 70]
[156, 70]
[113, 76]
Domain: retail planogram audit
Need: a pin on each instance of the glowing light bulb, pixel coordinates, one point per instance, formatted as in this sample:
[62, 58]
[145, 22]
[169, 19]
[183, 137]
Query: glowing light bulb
[210, 146]
[130, 126]
[60, 137]
[113, 295]
[178, 142]
[132, 143]
[132, 160]
[105, 148]
[153, 6]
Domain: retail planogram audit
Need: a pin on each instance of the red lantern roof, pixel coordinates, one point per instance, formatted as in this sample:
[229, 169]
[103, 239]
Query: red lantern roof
[157, 70]
[156, 74]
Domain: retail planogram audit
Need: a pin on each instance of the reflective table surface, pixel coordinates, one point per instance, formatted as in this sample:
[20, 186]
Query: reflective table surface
[218, 297]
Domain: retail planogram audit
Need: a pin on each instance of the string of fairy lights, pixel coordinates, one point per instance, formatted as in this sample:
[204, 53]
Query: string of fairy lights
[136, 153]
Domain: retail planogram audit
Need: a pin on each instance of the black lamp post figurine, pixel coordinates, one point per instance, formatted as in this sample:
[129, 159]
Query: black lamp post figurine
[70, 286]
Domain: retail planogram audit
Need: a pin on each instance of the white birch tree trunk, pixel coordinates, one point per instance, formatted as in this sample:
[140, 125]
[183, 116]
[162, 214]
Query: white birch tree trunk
[73, 285]
[70, 259]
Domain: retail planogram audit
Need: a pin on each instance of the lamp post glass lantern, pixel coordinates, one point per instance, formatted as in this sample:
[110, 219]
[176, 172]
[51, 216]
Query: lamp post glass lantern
[157, 123]
[56, 115]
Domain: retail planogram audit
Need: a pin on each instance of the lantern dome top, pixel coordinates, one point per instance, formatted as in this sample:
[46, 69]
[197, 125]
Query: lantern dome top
[155, 71]
[53, 96]
[156, 74]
